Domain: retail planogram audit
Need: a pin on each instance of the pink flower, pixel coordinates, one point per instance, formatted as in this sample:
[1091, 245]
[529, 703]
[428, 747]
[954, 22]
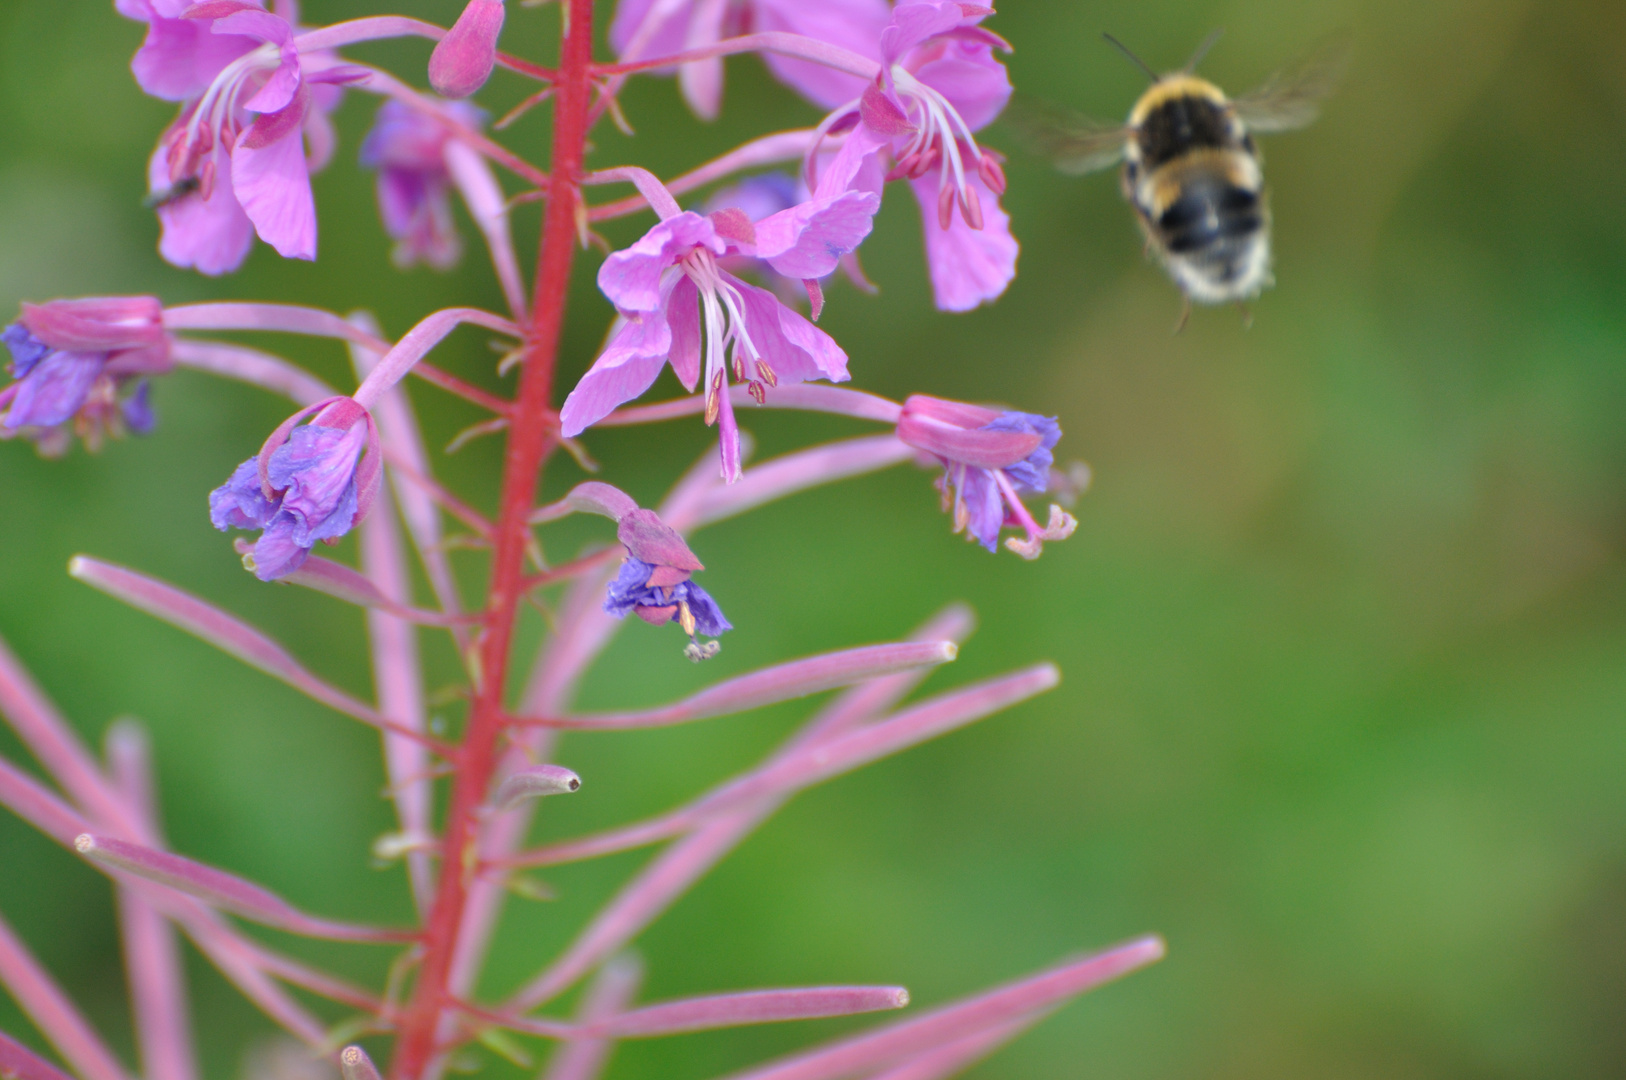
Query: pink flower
[989, 458]
[676, 303]
[940, 83]
[645, 29]
[408, 148]
[73, 360]
[235, 161]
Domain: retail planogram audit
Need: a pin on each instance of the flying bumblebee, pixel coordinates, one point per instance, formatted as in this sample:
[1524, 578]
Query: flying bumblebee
[1190, 166]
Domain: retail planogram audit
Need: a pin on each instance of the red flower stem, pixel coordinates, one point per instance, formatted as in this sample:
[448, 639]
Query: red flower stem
[531, 437]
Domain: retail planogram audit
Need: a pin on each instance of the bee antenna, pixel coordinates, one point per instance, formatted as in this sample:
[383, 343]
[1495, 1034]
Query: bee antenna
[1202, 50]
[1137, 61]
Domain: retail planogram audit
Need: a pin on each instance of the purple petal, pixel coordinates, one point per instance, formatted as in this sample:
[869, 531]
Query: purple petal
[701, 81]
[212, 235]
[855, 167]
[973, 81]
[240, 502]
[317, 467]
[26, 349]
[968, 266]
[626, 368]
[278, 551]
[55, 389]
[808, 241]
[986, 507]
[252, 21]
[708, 617]
[855, 25]
[137, 410]
[274, 187]
[631, 277]
[796, 349]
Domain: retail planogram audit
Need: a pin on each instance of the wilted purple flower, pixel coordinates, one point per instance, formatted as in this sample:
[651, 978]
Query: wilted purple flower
[308, 483]
[73, 360]
[663, 283]
[645, 29]
[408, 148]
[654, 582]
[235, 161]
[939, 84]
[989, 459]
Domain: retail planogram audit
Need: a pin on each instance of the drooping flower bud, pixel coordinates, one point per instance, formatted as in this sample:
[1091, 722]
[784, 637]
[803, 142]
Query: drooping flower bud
[308, 483]
[989, 457]
[654, 582]
[73, 361]
[462, 61]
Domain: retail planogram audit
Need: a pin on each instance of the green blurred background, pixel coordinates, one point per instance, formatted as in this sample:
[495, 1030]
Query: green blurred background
[1341, 628]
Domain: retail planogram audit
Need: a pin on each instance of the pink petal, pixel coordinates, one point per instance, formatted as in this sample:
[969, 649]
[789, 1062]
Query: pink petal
[702, 80]
[631, 277]
[973, 81]
[808, 241]
[651, 540]
[968, 266]
[630, 16]
[854, 25]
[855, 166]
[795, 348]
[274, 187]
[180, 57]
[913, 21]
[683, 315]
[625, 369]
[212, 235]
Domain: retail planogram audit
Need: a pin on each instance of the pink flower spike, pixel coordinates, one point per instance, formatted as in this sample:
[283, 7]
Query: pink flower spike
[220, 889]
[43, 1002]
[754, 1007]
[356, 1065]
[905, 1038]
[463, 59]
[782, 682]
[535, 782]
[18, 1062]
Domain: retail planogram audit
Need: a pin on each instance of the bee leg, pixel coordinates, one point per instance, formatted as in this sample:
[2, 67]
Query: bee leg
[1247, 314]
[1185, 314]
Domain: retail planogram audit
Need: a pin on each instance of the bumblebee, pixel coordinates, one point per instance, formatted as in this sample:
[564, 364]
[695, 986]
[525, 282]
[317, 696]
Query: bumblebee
[1190, 166]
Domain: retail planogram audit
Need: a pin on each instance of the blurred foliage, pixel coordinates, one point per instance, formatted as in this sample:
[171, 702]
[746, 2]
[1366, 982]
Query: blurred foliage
[1342, 626]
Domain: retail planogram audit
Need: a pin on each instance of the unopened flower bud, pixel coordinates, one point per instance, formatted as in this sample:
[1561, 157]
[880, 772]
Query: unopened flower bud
[462, 61]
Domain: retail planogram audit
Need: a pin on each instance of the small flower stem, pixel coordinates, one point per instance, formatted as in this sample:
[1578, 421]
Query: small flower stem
[531, 437]
[775, 41]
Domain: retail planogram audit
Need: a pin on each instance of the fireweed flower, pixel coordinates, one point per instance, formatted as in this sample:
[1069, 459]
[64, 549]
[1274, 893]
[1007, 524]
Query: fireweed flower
[939, 83]
[989, 459]
[308, 483]
[668, 285]
[408, 149]
[644, 29]
[759, 197]
[83, 364]
[235, 162]
[654, 583]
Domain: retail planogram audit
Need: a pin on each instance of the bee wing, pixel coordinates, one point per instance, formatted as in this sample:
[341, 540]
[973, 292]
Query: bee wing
[1291, 98]
[1075, 143]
